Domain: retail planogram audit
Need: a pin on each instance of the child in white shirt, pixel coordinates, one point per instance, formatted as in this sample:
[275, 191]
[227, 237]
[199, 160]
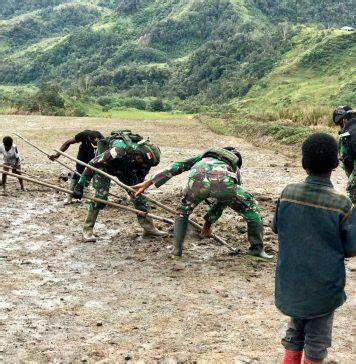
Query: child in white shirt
[11, 159]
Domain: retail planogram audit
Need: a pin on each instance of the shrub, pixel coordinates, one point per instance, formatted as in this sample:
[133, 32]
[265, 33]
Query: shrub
[79, 111]
[156, 105]
[192, 107]
[105, 100]
[168, 106]
[106, 108]
[134, 102]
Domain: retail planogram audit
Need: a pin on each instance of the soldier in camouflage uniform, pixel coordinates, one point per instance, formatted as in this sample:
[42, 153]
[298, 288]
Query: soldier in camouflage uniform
[129, 164]
[345, 117]
[212, 176]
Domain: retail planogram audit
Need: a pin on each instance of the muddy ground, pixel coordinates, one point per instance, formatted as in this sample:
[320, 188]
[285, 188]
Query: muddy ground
[122, 298]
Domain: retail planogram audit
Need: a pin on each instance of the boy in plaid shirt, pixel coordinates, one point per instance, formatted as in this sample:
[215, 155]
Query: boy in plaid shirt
[316, 229]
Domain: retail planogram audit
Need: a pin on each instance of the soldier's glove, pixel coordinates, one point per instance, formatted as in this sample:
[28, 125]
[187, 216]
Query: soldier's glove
[78, 191]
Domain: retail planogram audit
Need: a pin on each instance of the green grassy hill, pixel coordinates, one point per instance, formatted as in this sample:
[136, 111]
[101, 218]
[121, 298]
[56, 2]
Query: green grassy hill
[195, 55]
[319, 69]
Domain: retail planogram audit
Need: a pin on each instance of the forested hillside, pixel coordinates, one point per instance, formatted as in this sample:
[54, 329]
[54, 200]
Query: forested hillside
[190, 55]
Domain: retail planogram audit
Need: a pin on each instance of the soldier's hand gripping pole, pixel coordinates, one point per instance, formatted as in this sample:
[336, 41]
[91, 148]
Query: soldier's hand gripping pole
[127, 208]
[47, 154]
[130, 189]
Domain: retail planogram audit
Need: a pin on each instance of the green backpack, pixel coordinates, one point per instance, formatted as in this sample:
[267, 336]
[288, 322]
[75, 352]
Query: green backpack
[223, 155]
[125, 135]
[150, 151]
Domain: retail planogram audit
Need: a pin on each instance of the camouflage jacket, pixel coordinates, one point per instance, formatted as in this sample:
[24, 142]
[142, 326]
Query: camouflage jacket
[199, 169]
[347, 146]
[119, 162]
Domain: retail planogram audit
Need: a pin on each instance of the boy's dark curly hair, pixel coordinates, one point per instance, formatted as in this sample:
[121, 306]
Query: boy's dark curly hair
[7, 141]
[320, 153]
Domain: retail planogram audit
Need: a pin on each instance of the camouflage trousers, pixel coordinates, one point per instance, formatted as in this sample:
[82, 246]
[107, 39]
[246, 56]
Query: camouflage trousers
[225, 191]
[351, 186]
[102, 187]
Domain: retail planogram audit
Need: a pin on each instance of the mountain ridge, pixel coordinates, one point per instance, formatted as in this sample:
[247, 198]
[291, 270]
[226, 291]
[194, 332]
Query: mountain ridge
[195, 54]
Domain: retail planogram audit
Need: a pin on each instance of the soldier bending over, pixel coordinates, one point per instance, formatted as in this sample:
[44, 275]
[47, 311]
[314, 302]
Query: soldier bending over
[129, 158]
[213, 174]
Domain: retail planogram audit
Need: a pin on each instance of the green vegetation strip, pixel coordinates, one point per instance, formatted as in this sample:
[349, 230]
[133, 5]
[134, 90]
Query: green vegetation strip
[281, 132]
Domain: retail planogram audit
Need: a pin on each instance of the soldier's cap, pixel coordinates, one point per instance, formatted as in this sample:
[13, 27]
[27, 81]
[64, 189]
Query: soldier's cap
[342, 112]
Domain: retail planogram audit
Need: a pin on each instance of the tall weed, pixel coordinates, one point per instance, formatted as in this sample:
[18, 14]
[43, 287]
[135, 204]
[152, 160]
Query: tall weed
[306, 115]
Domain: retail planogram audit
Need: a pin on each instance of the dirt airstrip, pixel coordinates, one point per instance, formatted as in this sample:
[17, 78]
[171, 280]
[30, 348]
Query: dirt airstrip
[122, 298]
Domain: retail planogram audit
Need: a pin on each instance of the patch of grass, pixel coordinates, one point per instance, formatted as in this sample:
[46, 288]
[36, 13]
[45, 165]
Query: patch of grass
[287, 134]
[307, 115]
[7, 110]
[217, 126]
[243, 122]
[134, 114]
[94, 110]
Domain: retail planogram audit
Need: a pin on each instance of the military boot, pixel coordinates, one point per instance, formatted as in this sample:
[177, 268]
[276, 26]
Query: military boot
[255, 237]
[148, 227]
[180, 230]
[72, 184]
[88, 235]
